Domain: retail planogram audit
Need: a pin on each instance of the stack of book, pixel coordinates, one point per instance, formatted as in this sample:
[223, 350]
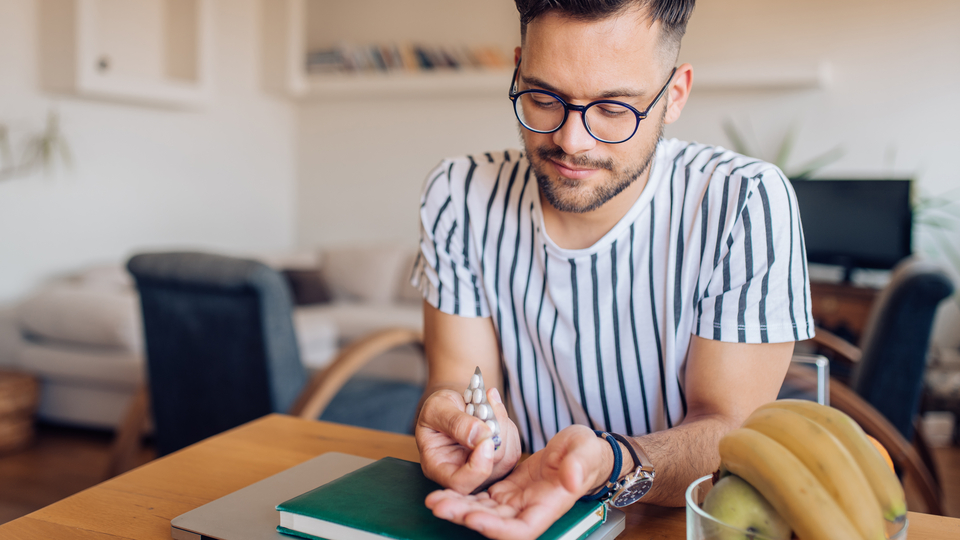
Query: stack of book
[349, 58]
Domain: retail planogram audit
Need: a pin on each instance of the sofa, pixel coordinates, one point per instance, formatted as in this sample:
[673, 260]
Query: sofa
[81, 334]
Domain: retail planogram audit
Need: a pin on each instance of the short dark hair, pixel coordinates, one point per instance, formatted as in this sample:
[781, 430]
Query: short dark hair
[672, 14]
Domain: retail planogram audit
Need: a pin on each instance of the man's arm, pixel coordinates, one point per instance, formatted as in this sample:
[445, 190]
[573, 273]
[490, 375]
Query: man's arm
[725, 382]
[455, 448]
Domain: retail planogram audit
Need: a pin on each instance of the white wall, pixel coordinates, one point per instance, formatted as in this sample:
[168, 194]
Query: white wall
[893, 106]
[222, 177]
[363, 162]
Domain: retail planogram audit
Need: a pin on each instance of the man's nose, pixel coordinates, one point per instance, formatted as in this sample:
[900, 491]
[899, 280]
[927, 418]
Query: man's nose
[573, 137]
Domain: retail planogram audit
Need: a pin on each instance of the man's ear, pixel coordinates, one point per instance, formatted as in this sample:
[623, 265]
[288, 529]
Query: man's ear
[678, 92]
[516, 56]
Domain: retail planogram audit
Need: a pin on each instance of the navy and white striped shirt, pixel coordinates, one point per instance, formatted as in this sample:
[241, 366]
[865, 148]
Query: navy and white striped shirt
[599, 336]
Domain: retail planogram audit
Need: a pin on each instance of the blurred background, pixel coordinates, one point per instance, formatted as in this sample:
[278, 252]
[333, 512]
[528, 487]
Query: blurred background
[280, 129]
[259, 156]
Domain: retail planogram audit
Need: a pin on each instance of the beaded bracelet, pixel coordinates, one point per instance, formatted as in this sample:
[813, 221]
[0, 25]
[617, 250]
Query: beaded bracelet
[615, 475]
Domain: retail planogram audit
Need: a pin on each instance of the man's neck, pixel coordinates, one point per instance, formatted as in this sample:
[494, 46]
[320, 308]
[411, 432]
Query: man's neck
[579, 231]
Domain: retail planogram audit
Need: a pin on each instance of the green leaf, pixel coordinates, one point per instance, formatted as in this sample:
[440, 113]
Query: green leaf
[736, 139]
[786, 147]
[817, 163]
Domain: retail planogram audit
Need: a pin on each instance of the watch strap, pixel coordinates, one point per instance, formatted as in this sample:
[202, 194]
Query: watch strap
[640, 458]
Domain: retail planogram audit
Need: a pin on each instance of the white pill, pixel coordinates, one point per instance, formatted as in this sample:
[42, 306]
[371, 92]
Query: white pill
[483, 411]
[467, 395]
[470, 409]
[475, 381]
[494, 427]
[477, 396]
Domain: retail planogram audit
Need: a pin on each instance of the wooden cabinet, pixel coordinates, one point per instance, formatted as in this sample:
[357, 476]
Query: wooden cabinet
[842, 308]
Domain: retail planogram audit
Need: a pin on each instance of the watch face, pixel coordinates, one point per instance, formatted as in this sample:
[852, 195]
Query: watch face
[632, 493]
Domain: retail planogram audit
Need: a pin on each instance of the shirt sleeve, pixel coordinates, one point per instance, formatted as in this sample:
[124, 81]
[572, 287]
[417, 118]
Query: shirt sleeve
[446, 272]
[759, 289]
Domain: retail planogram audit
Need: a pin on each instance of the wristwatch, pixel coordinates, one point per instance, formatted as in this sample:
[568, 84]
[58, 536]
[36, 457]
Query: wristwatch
[633, 486]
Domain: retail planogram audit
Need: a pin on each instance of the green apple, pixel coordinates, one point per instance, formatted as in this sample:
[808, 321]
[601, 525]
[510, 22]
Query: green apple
[736, 503]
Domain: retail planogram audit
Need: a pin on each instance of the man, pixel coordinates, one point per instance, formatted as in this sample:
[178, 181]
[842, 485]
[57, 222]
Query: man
[603, 278]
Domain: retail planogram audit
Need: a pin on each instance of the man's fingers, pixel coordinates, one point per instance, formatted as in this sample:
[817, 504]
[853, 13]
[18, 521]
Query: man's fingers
[444, 412]
[476, 470]
[530, 523]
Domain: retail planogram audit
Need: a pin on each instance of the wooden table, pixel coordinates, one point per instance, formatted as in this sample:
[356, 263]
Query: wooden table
[140, 504]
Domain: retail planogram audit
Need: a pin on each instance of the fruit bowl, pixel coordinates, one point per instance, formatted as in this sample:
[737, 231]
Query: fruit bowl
[703, 526]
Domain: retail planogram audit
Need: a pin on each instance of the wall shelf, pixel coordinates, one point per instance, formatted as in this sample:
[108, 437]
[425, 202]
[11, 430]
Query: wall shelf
[154, 52]
[465, 82]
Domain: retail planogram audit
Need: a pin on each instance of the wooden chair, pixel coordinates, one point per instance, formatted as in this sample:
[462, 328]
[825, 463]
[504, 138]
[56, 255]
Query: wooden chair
[221, 350]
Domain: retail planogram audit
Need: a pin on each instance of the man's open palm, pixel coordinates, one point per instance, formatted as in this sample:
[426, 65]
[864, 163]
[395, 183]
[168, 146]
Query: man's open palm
[525, 504]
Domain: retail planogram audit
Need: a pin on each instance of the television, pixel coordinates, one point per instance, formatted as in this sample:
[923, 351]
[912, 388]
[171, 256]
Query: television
[855, 223]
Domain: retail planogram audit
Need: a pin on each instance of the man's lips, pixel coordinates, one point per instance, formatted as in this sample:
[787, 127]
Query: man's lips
[573, 173]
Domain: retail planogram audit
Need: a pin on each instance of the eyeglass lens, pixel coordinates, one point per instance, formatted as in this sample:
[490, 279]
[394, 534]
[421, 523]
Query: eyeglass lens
[605, 121]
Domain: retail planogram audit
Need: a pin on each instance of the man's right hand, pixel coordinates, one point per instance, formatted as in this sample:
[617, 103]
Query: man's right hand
[456, 449]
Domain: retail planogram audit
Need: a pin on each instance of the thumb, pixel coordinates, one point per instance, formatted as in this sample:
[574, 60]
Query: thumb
[443, 412]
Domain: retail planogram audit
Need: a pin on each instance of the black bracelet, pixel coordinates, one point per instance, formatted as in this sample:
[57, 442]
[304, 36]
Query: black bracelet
[617, 463]
[633, 453]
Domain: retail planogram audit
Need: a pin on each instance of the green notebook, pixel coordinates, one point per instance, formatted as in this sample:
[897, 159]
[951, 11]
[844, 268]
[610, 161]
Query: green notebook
[385, 500]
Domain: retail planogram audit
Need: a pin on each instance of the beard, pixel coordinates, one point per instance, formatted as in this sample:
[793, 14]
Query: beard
[567, 195]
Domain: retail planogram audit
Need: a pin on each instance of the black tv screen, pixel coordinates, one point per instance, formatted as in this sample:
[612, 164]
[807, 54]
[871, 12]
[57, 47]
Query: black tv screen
[855, 223]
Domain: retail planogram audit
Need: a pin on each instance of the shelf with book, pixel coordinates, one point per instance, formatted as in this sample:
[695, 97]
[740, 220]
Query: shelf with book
[298, 32]
[465, 82]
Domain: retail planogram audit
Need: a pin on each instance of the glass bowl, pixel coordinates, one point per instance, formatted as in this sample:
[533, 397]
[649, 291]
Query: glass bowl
[703, 526]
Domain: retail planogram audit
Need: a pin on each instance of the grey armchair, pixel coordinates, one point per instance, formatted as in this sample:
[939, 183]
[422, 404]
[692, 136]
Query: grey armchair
[221, 350]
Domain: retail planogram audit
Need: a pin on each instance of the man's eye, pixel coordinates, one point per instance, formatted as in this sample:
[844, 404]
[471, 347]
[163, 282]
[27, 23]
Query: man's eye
[612, 111]
[546, 103]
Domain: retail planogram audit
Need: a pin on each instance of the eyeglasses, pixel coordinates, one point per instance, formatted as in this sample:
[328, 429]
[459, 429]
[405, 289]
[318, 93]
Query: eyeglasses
[606, 120]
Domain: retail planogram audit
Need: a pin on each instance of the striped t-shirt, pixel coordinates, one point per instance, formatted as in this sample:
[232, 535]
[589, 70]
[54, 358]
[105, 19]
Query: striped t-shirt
[599, 336]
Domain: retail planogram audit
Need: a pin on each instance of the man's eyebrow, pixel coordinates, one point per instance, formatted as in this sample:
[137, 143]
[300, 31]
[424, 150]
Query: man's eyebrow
[607, 94]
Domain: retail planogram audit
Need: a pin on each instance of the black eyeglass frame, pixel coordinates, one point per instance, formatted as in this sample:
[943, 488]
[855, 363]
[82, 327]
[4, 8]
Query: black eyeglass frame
[582, 109]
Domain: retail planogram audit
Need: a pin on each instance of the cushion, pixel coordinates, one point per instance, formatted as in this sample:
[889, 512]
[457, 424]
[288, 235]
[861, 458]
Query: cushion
[84, 316]
[296, 260]
[355, 319]
[90, 366]
[106, 278]
[317, 337]
[369, 273]
[308, 286]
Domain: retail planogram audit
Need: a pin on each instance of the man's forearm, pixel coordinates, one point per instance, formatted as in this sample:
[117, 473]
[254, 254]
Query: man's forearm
[681, 455]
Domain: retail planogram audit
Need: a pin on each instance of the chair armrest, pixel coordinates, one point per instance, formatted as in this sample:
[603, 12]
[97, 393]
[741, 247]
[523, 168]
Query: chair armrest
[837, 344]
[323, 386]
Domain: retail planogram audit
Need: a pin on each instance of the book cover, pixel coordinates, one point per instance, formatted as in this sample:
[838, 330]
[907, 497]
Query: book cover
[385, 500]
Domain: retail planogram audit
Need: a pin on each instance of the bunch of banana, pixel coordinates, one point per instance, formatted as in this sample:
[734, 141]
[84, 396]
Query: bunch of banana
[817, 468]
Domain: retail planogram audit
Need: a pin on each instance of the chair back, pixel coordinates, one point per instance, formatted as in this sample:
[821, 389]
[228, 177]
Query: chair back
[889, 374]
[220, 343]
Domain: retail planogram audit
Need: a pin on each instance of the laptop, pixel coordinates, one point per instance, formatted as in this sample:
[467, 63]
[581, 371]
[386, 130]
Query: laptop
[250, 513]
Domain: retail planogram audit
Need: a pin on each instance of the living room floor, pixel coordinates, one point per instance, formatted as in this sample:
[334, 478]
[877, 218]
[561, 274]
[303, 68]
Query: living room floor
[63, 461]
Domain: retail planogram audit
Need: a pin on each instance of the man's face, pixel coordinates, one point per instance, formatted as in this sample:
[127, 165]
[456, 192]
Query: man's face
[615, 58]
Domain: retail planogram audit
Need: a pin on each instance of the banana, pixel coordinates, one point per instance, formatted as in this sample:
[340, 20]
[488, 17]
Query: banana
[886, 486]
[829, 461]
[787, 484]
